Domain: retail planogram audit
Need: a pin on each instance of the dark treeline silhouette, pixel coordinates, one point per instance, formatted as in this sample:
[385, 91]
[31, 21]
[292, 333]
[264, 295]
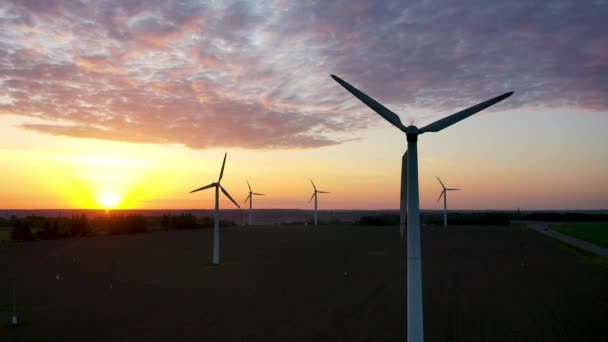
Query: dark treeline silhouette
[79, 226]
[189, 221]
[50, 230]
[46, 228]
[21, 230]
[379, 220]
[469, 219]
[120, 224]
[484, 218]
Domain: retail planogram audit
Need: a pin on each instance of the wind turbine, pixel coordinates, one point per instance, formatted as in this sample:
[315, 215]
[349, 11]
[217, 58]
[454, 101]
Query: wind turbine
[314, 195]
[444, 193]
[409, 185]
[250, 198]
[216, 223]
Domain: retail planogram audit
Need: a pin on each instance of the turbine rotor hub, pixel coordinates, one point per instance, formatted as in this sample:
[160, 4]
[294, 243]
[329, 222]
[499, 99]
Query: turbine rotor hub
[412, 133]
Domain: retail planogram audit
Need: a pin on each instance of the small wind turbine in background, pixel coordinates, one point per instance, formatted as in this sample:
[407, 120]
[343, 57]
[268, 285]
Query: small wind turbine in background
[216, 222]
[444, 193]
[409, 185]
[250, 198]
[314, 195]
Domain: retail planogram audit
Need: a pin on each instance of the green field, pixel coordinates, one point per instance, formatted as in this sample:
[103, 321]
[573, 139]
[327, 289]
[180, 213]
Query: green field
[593, 232]
[5, 233]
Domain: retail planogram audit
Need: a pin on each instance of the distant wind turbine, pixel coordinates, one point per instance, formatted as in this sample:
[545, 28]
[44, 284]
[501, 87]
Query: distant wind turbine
[444, 193]
[216, 223]
[314, 195]
[250, 198]
[409, 185]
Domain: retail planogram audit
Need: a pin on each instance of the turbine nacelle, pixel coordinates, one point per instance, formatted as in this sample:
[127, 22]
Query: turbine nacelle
[218, 185]
[251, 193]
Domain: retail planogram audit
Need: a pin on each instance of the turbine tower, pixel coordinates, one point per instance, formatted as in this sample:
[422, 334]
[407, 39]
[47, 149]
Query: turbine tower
[314, 195]
[444, 193]
[415, 326]
[250, 198]
[216, 222]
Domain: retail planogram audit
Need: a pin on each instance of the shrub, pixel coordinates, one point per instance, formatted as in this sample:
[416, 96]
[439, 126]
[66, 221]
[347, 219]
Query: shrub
[21, 231]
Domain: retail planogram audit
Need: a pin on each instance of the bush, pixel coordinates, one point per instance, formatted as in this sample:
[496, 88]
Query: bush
[379, 220]
[184, 221]
[21, 231]
[49, 231]
[164, 221]
[79, 226]
[129, 224]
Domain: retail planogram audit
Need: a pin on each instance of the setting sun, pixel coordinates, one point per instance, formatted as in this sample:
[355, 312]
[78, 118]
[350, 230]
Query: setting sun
[109, 200]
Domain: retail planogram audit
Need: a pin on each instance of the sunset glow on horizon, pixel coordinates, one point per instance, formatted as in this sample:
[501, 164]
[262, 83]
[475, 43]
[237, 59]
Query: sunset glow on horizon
[106, 105]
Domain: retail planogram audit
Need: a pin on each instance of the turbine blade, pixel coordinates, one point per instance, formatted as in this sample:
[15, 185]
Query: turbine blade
[463, 114]
[203, 188]
[223, 164]
[255, 193]
[453, 189]
[441, 183]
[386, 113]
[245, 201]
[440, 195]
[230, 197]
[311, 197]
[323, 192]
[313, 185]
[249, 186]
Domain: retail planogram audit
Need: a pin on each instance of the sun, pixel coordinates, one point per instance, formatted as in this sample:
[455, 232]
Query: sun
[109, 200]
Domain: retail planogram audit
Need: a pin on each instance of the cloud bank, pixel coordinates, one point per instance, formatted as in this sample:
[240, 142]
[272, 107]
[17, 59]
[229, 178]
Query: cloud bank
[255, 74]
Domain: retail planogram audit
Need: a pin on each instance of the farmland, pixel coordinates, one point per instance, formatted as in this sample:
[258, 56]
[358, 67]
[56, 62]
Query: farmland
[301, 284]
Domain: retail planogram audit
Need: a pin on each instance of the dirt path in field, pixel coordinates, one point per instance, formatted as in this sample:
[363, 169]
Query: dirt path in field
[545, 229]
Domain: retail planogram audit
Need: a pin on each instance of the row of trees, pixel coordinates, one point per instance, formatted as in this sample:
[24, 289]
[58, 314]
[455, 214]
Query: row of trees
[189, 221]
[32, 227]
[485, 218]
[47, 228]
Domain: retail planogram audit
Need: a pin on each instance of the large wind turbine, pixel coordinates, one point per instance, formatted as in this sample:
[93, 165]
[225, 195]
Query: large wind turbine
[250, 198]
[314, 195]
[415, 326]
[216, 222]
[444, 193]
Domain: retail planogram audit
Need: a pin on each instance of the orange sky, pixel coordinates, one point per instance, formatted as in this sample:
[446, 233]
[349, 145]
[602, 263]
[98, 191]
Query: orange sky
[137, 102]
[533, 171]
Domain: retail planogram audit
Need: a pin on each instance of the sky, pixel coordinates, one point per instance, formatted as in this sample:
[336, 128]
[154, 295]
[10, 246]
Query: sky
[137, 101]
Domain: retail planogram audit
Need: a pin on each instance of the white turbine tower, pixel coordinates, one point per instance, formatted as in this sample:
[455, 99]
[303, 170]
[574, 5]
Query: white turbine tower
[314, 195]
[250, 198]
[216, 222]
[415, 326]
[444, 193]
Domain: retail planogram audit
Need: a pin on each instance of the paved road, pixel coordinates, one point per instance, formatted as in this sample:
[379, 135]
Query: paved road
[545, 229]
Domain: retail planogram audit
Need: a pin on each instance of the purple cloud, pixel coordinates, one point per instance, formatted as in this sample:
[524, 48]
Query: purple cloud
[256, 74]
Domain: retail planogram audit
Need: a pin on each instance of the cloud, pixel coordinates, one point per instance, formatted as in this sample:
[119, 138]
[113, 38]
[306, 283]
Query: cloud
[256, 74]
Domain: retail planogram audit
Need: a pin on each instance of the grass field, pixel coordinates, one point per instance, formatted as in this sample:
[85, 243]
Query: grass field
[5, 234]
[593, 232]
[301, 284]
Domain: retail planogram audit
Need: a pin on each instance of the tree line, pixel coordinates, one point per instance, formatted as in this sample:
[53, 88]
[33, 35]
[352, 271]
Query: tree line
[485, 218]
[46, 228]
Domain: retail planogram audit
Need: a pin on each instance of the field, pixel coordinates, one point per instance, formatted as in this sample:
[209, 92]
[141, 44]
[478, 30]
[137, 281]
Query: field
[5, 234]
[301, 284]
[593, 232]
